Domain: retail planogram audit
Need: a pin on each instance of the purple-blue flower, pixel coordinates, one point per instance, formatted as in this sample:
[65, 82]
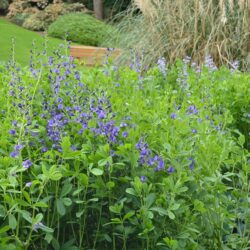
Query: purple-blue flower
[123, 124]
[14, 154]
[151, 161]
[209, 63]
[14, 123]
[28, 184]
[12, 131]
[173, 116]
[27, 164]
[125, 134]
[171, 169]
[38, 225]
[51, 61]
[101, 114]
[143, 178]
[160, 166]
[18, 147]
[191, 165]
[44, 149]
[192, 110]
[162, 65]
[60, 106]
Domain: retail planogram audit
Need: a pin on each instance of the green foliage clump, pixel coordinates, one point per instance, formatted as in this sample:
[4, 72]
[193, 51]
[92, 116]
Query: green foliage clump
[80, 28]
[4, 4]
[20, 18]
[123, 158]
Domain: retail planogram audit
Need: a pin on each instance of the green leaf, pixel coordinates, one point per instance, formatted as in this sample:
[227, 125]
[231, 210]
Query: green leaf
[27, 196]
[40, 204]
[116, 220]
[55, 244]
[150, 199]
[182, 189]
[93, 200]
[48, 237]
[4, 229]
[161, 211]
[38, 218]
[171, 215]
[2, 211]
[241, 140]
[148, 214]
[66, 144]
[199, 206]
[45, 171]
[35, 130]
[67, 201]
[12, 221]
[77, 191]
[128, 215]
[60, 207]
[26, 215]
[22, 203]
[116, 208]
[54, 174]
[137, 185]
[84, 179]
[46, 229]
[107, 238]
[110, 184]
[66, 189]
[103, 162]
[174, 207]
[79, 214]
[131, 191]
[96, 171]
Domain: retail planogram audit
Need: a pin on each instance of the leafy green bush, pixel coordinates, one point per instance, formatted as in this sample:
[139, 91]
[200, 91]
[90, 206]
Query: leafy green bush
[120, 158]
[4, 4]
[80, 28]
[19, 19]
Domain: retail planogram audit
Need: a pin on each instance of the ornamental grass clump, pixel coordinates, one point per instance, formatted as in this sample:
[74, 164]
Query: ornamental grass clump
[196, 28]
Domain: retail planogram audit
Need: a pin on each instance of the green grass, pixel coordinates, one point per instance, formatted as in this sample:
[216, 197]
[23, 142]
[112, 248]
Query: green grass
[23, 42]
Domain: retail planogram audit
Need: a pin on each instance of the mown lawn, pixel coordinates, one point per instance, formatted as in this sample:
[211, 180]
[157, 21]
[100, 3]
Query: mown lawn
[22, 40]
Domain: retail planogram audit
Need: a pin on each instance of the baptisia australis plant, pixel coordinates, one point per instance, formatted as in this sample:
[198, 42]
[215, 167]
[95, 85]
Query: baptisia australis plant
[94, 158]
[57, 119]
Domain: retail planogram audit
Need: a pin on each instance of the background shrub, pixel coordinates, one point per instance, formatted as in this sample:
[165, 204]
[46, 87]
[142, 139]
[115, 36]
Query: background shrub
[40, 20]
[4, 4]
[19, 19]
[81, 28]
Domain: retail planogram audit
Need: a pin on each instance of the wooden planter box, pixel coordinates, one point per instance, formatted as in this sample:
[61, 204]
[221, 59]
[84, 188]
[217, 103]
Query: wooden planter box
[92, 55]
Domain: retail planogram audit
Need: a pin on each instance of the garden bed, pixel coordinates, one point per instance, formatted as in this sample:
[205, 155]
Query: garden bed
[120, 158]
